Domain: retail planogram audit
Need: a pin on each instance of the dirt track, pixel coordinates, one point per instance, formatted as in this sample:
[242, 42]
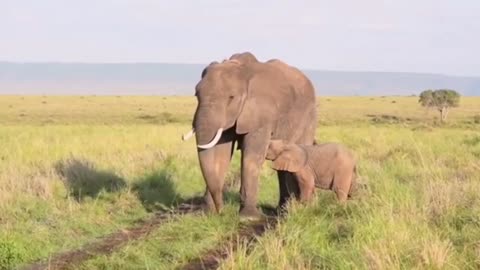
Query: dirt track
[106, 245]
[211, 259]
[109, 243]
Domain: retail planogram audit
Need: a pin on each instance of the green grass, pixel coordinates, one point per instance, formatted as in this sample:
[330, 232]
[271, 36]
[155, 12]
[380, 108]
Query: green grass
[75, 168]
[421, 209]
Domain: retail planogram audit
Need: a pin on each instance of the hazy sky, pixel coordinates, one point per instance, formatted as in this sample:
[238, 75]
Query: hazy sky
[437, 36]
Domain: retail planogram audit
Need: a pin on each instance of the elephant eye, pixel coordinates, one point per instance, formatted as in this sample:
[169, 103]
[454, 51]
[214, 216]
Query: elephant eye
[230, 99]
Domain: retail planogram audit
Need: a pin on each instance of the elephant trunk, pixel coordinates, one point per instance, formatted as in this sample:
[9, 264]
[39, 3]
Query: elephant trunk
[208, 127]
[209, 161]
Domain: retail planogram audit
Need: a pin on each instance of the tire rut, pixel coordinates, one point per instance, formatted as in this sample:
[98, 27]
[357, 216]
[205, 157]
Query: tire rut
[109, 243]
[248, 233]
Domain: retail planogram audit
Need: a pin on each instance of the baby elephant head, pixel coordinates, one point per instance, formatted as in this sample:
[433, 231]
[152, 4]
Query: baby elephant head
[286, 157]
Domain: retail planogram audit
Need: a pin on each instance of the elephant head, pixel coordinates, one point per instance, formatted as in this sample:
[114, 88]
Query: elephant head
[286, 157]
[205, 70]
[188, 135]
[245, 58]
[224, 100]
[221, 95]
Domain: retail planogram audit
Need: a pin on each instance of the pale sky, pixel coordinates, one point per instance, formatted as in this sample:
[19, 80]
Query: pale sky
[435, 36]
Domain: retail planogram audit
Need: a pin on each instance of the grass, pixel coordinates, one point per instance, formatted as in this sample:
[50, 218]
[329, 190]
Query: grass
[421, 210]
[75, 168]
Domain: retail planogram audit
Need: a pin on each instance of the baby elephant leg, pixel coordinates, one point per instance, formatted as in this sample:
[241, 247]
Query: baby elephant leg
[307, 187]
[341, 185]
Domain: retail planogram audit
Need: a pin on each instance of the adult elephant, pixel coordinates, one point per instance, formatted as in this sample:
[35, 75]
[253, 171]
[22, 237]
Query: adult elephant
[245, 101]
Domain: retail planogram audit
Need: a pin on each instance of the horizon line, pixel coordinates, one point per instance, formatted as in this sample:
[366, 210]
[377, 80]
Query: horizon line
[201, 64]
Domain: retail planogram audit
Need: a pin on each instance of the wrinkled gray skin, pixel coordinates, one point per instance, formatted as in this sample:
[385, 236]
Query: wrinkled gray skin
[253, 102]
[326, 166]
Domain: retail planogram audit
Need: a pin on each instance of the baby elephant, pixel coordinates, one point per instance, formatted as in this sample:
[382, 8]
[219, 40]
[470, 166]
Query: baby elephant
[327, 166]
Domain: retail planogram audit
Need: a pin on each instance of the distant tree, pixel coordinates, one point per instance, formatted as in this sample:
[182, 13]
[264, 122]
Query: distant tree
[441, 99]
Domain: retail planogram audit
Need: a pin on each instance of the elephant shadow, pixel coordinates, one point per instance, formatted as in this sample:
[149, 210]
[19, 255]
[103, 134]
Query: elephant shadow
[156, 191]
[231, 195]
[83, 179]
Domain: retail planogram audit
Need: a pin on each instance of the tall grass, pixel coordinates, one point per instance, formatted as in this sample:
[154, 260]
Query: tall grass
[74, 168]
[419, 210]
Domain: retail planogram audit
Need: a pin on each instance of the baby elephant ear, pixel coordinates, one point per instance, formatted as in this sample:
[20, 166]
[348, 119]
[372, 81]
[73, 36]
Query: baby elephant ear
[292, 161]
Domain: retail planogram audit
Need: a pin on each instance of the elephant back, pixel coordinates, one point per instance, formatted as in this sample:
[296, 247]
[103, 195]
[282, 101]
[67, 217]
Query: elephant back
[302, 84]
[299, 123]
[245, 58]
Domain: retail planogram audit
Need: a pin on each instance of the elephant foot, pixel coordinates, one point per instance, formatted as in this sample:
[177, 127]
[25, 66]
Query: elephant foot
[207, 205]
[250, 214]
[205, 208]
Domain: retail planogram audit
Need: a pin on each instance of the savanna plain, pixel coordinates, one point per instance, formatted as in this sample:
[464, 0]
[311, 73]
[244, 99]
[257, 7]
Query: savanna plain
[75, 168]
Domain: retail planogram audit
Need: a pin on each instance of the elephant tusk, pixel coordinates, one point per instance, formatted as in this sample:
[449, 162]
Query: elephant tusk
[188, 135]
[213, 142]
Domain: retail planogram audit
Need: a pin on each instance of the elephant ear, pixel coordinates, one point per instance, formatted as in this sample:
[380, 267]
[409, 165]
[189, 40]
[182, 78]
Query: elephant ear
[247, 120]
[291, 160]
[275, 148]
[256, 111]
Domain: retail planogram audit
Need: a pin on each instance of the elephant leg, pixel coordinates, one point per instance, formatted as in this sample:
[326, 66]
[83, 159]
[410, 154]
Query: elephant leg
[209, 204]
[288, 182]
[217, 160]
[342, 195]
[254, 147]
[306, 186]
[289, 188]
[342, 184]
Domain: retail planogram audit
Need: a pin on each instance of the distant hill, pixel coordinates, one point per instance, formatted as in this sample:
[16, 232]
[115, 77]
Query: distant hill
[180, 79]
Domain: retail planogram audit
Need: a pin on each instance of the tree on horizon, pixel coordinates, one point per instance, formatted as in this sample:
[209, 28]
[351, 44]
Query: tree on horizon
[441, 99]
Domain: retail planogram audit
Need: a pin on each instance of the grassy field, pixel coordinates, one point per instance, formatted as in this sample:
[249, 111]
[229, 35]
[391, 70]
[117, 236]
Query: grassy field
[76, 168]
